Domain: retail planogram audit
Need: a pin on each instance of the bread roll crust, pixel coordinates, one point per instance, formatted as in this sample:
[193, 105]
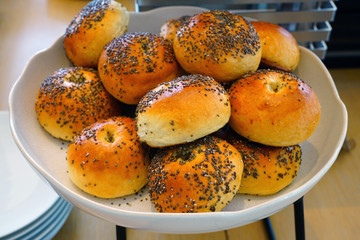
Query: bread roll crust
[169, 28]
[217, 44]
[106, 159]
[201, 176]
[71, 99]
[182, 110]
[132, 64]
[279, 47]
[274, 108]
[267, 169]
[92, 28]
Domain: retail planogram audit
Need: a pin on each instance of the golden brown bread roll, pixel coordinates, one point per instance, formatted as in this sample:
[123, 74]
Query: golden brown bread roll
[267, 169]
[217, 44]
[169, 28]
[132, 64]
[71, 99]
[182, 110]
[273, 108]
[279, 47]
[92, 28]
[107, 160]
[201, 176]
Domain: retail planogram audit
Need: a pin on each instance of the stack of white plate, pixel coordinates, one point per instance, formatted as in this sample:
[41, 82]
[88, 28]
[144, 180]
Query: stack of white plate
[29, 207]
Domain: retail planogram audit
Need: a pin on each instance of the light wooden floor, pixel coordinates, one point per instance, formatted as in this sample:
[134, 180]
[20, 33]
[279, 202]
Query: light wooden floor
[332, 207]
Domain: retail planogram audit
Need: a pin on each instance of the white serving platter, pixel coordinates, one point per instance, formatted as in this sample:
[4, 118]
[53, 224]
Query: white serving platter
[47, 155]
[24, 196]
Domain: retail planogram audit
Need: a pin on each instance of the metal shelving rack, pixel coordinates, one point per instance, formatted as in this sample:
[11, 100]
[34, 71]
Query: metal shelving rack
[308, 20]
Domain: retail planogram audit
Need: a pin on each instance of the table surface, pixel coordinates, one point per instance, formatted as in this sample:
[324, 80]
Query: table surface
[332, 209]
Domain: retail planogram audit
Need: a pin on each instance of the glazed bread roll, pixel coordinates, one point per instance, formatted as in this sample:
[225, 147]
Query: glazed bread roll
[201, 176]
[274, 108]
[92, 28]
[267, 170]
[132, 64]
[169, 28]
[106, 159]
[279, 47]
[182, 110]
[217, 44]
[71, 99]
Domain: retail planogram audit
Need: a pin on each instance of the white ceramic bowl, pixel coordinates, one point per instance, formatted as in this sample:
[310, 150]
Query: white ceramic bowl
[47, 155]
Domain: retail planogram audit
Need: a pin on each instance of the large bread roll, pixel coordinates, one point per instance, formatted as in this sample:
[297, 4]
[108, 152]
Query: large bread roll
[71, 99]
[267, 169]
[182, 110]
[279, 47]
[92, 28]
[169, 28]
[107, 159]
[217, 44]
[274, 108]
[132, 64]
[201, 176]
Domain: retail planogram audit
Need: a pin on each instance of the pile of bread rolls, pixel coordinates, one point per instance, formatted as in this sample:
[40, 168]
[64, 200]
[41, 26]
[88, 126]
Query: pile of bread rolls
[203, 111]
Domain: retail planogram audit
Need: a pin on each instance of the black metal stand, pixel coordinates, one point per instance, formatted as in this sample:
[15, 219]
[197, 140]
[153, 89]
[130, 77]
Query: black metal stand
[120, 233]
[269, 229]
[298, 216]
[299, 219]
[299, 222]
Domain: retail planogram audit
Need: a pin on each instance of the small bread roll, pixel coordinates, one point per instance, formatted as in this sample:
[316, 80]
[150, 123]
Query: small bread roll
[267, 170]
[274, 108]
[169, 28]
[279, 47]
[201, 176]
[92, 28]
[106, 159]
[71, 99]
[182, 110]
[132, 64]
[218, 44]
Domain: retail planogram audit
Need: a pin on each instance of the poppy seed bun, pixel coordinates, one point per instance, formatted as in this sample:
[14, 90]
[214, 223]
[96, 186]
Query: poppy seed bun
[201, 176]
[168, 29]
[218, 44]
[182, 110]
[92, 28]
[106, 159]
[132, 64]
[279, 47]
[273, 108]
[267, 170]
[71, 99]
